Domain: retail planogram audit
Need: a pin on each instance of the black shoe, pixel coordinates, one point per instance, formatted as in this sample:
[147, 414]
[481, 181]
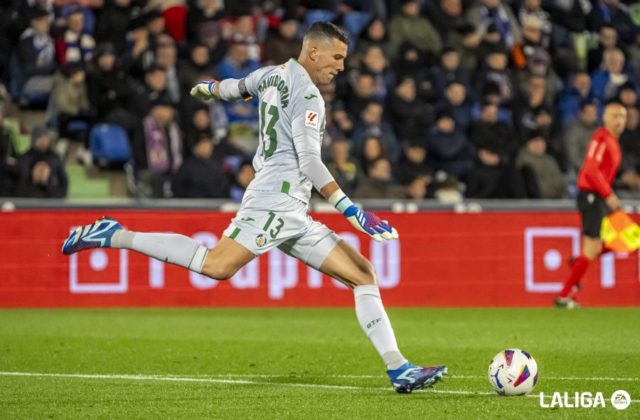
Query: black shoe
[566, 303]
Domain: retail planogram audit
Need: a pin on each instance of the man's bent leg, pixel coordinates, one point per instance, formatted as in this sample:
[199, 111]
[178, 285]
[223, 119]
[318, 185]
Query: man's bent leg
[349, 266]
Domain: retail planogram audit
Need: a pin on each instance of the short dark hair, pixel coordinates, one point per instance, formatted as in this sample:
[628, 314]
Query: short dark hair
[327, 30]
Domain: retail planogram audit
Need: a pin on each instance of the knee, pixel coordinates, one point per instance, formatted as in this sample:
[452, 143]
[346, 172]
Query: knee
[218, 271]
[366, 275]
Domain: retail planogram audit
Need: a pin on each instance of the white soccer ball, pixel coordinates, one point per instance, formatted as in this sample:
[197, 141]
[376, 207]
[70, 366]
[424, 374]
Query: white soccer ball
[513, 372]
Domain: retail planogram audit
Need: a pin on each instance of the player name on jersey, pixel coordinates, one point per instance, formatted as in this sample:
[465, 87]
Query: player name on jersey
[278, 83]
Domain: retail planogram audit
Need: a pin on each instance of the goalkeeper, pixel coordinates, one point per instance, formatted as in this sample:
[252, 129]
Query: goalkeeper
[274, 208]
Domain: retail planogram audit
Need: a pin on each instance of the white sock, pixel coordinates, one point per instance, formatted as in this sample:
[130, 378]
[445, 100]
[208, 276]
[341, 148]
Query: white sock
[167, 247]
[375, 323]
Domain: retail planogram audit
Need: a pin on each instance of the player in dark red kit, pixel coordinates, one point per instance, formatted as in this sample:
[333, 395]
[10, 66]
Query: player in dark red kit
[595, 195]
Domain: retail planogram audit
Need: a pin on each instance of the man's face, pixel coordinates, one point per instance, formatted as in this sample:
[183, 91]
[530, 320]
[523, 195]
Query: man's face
[328, 58]
[589, 114]
[76, 22]
[456, 93]
[157, 80]
[615, 118]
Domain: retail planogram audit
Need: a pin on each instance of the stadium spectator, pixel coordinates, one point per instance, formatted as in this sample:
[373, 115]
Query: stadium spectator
[282, 43]
[361, 92]
[157, 148]
[112, 23]
[198, 125]
[613, 13]
[448, 148]
[374, 63]
[74, 45]
[571, 14]
[9, 170]
[630, 145]
[247, 29]
[140, 48]
[606, 82]
[203, 26]
[108, 88]
[237, 64]
[533, 112]
[242, 174]
[42, 173]
[34, 56]
[375, 33]
[344, 168]
[372, 149]
[167, 57]
[370, 124]
[494, 13]
[533, 8]
[200, 176]
[548, 176]
[466, 41]
[154, 87]
[418, 188]
[628, 95]
[534, 42]
[489, 132]
[576, 135]
[447, 16]
[456, 101]
[447, 71]
[155, 25]
[378, 182]
[409, 114]
[196, 67]
[409, 26]
[412, 163]
[570, 98]
[496, 72]
[70, 98]
[607, 39]
[493, 177]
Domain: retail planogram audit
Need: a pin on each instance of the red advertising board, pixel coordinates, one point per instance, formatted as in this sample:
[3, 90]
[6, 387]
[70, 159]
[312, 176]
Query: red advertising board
[441, 259]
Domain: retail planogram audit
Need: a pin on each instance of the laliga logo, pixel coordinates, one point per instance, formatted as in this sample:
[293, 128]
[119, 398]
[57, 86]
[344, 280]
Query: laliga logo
[620, 400]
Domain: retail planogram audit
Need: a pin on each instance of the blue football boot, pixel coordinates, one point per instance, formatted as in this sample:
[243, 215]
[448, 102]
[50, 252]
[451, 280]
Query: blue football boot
[409, 377]
[95, 235]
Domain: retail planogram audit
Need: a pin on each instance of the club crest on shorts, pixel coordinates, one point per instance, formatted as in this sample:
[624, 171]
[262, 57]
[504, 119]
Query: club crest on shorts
[261, 240]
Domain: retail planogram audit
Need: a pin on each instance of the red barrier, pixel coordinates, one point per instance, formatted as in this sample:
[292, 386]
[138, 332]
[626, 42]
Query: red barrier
[441, 259]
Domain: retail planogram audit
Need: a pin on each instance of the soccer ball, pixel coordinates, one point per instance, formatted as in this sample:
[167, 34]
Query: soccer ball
[513, 372]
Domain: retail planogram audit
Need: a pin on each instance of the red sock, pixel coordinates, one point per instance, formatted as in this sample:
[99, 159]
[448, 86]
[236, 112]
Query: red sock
[578, 269]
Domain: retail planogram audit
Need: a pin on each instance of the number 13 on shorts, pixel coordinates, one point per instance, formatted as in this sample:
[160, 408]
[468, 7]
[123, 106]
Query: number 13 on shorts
[275, 230]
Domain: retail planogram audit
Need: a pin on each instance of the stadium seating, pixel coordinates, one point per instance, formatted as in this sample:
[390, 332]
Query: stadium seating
[109, 144]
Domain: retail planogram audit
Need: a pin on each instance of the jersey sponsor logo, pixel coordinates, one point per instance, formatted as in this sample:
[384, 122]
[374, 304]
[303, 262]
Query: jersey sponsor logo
[311, 119]
[311, 96]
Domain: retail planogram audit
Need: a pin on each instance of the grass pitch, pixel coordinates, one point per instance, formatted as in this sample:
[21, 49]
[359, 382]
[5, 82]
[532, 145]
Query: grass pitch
[303, 363]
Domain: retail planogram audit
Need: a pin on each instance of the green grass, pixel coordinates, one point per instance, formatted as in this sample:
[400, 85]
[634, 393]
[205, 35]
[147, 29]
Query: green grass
[231, 363]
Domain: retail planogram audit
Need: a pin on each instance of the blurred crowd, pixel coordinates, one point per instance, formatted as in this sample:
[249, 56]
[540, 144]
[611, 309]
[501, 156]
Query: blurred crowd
[439, 98]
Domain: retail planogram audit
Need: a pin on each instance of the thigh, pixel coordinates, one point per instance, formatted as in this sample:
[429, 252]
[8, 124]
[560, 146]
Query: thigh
[313, 245]
[225, 259]
[592, 210]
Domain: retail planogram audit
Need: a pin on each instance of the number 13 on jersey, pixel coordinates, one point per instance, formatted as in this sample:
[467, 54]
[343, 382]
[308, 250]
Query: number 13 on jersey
[268, 134]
